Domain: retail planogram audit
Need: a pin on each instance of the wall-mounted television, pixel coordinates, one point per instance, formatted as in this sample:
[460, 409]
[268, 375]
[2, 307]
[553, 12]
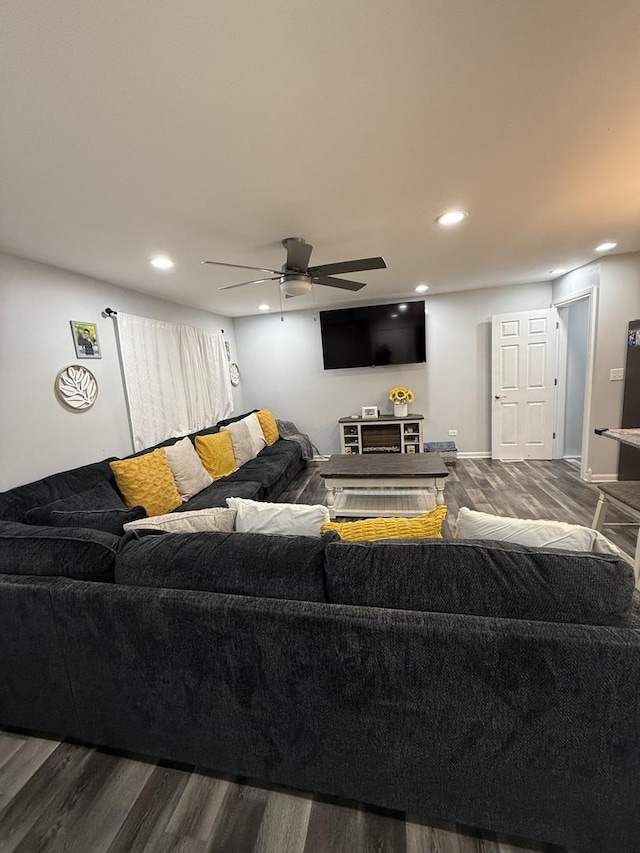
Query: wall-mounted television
[374, 335]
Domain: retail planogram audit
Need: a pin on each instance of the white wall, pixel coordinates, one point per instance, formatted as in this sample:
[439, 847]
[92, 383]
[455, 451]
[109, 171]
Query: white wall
[619, 302]
[281, 364]
[37, 435]
[616, 284]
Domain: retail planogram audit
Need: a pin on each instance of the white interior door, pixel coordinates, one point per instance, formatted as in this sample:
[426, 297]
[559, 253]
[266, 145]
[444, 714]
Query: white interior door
[523, 384]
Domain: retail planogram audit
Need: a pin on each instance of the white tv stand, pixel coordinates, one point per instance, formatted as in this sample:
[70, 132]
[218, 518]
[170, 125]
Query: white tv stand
[386, 434]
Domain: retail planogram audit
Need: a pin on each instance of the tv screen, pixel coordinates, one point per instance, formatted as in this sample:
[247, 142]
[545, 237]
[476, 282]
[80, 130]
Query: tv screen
[373, 335]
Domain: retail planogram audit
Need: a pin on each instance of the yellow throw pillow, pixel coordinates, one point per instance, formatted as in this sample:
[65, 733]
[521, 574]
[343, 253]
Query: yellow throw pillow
[147, 481]
[216, 454]
[425, 526]
[269, 426]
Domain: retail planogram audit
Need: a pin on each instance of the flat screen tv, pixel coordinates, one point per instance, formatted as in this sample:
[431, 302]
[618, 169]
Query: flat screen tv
[373, 335]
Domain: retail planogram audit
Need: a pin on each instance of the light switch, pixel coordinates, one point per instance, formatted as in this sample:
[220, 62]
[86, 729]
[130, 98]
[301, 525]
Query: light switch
[616, 374]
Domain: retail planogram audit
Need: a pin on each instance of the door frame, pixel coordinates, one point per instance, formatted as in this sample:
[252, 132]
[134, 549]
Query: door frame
[590, 293]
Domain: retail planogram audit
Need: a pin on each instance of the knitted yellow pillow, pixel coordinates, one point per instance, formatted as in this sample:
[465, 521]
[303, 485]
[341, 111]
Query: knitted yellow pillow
[425, 526]
[269, 426]
[216, 454]
[147, 481]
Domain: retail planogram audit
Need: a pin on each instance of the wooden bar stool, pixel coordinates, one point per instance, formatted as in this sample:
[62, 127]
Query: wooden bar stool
[624, 495]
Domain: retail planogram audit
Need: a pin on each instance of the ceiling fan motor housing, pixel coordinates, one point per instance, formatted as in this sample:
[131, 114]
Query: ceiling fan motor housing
[294, 284]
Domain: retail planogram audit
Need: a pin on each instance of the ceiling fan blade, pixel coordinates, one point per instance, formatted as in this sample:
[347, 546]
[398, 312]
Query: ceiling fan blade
[255, 281]
[298, 253]
[239, 266]
[342, 283]
[349, 266]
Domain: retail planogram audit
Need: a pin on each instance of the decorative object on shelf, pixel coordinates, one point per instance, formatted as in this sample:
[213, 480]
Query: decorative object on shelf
[76, 388]
[400, 397]
[85, 338]
[234, 373]
[369, 411]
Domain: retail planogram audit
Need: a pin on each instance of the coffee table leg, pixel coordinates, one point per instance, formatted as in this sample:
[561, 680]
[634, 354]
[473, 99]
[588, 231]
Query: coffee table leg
[440, 492]
[331, 497]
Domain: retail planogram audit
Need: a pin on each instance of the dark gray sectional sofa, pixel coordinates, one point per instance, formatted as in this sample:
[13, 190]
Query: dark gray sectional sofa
[481, 682]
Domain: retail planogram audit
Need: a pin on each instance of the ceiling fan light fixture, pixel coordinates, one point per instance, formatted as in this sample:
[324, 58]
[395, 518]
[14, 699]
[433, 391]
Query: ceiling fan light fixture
[295, 285]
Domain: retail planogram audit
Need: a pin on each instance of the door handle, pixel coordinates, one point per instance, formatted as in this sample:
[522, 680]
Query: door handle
[499, 396]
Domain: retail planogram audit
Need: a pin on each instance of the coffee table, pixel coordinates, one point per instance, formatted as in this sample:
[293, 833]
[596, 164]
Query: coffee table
[379, 484]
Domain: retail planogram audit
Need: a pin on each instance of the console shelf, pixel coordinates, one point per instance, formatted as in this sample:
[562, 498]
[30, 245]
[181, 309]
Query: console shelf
[386, 434]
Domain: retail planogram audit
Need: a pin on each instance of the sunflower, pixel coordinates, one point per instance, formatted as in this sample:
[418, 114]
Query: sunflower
[401, 395]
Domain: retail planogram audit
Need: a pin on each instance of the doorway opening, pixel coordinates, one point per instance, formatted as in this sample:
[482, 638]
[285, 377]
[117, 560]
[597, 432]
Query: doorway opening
[574, 355]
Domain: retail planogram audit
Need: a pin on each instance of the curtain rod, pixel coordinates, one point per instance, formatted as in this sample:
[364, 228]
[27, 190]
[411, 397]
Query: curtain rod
[109, 312]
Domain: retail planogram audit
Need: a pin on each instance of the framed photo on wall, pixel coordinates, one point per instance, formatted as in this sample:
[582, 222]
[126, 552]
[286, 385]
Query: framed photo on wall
[85, 339]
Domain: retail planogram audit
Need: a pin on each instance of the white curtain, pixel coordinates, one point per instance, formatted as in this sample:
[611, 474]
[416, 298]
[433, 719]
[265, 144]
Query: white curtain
[176, 378]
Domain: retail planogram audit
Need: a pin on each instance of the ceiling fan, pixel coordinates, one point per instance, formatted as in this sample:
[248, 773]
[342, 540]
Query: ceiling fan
[296, 276]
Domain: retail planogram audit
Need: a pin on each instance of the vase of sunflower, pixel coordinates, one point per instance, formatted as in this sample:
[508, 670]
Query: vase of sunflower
[401, 397]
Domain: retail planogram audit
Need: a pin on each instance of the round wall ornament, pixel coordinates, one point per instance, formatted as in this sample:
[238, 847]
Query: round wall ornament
[76, 388]
[234, 373]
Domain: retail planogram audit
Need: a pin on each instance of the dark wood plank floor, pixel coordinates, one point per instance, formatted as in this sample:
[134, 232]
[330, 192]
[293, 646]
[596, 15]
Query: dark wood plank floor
[59, 796]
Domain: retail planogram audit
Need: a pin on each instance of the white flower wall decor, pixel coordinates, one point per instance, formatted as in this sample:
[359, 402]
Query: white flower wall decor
[76, 388]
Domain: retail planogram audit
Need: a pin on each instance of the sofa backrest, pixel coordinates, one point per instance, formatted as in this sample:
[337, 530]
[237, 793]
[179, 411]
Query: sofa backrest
[17, 501]
[481, 578]
[288, 567]
[73, 552]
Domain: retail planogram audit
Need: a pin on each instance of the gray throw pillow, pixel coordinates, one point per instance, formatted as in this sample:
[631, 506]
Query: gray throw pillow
[109, 520]
[99, 497]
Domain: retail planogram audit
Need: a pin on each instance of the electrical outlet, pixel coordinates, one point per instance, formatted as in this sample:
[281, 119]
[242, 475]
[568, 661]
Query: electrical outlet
[616, 374]
[453, 432]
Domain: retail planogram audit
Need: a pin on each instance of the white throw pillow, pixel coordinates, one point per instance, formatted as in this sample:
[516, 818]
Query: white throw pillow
[255, 433]
[278, 519]
[542, 534]
[190, 475]
[241, 441]
[216, 519]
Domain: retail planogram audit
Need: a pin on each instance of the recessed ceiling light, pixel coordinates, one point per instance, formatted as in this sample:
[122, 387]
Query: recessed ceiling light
[160, 262]
[263, 307]
[453, 217]
[605, 247]
[421, 288]
[559, 271]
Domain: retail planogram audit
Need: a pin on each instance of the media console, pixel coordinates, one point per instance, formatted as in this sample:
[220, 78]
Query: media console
[386, 434]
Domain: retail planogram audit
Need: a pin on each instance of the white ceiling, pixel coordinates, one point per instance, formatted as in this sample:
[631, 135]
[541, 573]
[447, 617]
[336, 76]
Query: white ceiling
[214, 128]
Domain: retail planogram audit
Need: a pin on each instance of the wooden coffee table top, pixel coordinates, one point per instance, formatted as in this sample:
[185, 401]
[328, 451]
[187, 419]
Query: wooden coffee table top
[381, 465]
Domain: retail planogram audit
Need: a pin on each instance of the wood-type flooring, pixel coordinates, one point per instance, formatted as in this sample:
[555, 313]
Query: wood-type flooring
[59, 796]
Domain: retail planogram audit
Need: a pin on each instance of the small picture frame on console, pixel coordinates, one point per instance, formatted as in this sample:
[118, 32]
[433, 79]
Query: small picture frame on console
[369, 411]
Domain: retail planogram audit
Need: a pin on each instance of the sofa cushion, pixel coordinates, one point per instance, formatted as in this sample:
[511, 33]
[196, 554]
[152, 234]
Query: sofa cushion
[482, 578]
[268, 425]
[190, 475]
[147, 481]
[17, 501]
[217, 494]
[238, 563]
[427, 525]
[278, 519]
[109, 520]
[525, 531]
[72, 552]
[274, 467]
[102, 496]
[216, 454]
[241, 441]
[220, 519]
